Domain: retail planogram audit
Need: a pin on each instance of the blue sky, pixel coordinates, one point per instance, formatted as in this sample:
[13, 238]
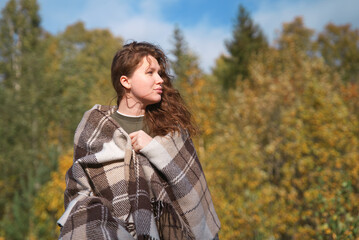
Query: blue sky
[205, 23]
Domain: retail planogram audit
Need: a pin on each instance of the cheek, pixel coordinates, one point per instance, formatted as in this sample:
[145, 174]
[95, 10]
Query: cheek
[141, 87]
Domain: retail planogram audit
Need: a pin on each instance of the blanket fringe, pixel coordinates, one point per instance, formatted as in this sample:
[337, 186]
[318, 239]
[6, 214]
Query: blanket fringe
[169, 224]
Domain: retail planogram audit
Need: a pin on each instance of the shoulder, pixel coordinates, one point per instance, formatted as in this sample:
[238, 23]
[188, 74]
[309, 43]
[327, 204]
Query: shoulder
[93, 116]
[97, 112]
[104, 110]
[97, 116]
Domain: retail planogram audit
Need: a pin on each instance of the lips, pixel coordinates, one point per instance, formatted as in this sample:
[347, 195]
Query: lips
[158, 90]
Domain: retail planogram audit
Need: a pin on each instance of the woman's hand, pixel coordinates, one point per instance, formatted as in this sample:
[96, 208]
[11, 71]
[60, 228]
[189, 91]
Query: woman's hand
[139, 140]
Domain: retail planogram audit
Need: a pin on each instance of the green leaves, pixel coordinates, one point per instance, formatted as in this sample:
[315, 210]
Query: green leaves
[46, 84]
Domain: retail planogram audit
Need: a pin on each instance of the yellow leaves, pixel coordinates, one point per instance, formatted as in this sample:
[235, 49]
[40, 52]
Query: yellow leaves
[276, 150]
[49, 205]
[311, 195]
[287, 145]
[305, 164]
[51, 195]
[350, 91]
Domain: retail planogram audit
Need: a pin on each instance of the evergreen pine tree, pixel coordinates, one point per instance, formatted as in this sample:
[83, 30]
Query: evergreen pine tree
[184, 60]
[247, 39]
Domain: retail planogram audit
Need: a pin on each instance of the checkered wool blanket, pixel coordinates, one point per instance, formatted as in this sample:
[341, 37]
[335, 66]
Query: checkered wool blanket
[114, 193]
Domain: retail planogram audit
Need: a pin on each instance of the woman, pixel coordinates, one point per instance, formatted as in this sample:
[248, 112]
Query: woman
[136, 174]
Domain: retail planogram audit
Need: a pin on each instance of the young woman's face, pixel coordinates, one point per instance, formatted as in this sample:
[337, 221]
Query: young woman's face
[146, 83]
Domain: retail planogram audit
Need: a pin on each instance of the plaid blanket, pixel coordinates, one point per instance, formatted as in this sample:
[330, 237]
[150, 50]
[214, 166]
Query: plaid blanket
[112, 192]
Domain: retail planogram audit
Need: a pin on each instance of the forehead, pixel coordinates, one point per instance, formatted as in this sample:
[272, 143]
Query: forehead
[148, 61]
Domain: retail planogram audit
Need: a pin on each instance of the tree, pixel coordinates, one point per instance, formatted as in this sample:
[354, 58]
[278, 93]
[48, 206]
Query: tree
[284, 164]
[49, 202]
[184, 60]
[197, 89]
[46, 84]
[339, 46]
[80, 73]
[24, 154]
[247, 40]
[295, 35]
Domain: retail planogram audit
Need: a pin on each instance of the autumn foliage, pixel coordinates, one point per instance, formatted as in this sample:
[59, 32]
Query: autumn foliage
[48, 206]
[278, 140]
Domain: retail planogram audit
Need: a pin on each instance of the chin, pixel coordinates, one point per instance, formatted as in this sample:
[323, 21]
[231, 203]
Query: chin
[153, 101]
[157, 100]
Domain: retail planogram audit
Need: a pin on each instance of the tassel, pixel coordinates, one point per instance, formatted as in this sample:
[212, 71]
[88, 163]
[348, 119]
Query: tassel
[168, 219]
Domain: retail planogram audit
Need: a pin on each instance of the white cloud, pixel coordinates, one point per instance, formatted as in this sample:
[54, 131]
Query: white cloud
[143, 22]
[316, 14]
[207, 43]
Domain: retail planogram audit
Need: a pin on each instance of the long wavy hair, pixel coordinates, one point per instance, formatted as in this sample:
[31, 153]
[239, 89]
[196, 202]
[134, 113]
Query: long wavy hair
[168, 115]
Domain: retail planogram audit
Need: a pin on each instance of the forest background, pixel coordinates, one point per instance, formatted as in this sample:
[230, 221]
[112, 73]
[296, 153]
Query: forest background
[279, 140]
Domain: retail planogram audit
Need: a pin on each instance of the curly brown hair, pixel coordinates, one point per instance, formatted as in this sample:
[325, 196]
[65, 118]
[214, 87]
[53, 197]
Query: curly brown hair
[168, 115]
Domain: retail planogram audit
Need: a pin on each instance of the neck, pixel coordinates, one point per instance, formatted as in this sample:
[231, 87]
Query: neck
[130, 107]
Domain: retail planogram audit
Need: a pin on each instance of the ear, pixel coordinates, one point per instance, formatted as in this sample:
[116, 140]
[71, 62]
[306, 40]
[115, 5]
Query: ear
[125, 82]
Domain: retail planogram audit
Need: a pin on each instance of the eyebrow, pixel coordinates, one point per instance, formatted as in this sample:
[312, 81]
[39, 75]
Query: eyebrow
[153, 68]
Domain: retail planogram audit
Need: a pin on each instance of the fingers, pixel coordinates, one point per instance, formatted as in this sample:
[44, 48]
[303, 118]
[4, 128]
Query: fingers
[133, 134]
[139, 140]
[133, 137]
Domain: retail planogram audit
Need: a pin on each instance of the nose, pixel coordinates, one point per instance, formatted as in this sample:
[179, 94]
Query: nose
[159, 79]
